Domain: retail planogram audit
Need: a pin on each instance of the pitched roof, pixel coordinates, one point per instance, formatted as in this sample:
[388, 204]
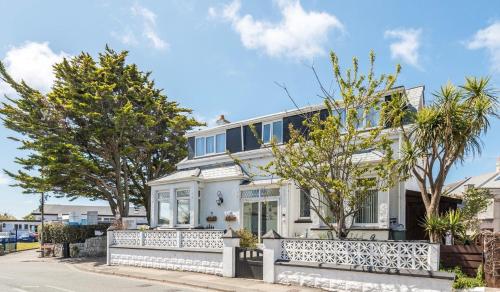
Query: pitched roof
[200, 174]
[489, 180]
[82, 209]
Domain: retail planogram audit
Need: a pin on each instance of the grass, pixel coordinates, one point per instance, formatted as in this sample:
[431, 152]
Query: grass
[27, 245]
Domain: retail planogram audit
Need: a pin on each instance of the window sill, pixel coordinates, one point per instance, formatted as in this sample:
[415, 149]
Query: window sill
[303, 220]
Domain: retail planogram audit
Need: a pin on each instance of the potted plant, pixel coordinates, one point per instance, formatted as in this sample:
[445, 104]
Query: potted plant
[211, 218]
[230, 217]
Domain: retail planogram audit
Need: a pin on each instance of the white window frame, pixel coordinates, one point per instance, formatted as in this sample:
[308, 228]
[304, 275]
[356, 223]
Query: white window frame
[166, 198]
[260, 200]
[300, 205]
[214, 136]
[177, 207]
[271, 131]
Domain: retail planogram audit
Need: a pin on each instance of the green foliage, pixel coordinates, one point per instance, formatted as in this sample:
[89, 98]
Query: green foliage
[6, 216]
[435, 226]
[325, 158]
[61, 233]
[463, 281]
[247, 239]
[29, 217]
[102, 132]
[443, 133]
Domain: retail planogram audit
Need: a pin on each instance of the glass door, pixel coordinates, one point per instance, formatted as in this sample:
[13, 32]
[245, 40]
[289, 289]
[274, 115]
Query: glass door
[260, 217]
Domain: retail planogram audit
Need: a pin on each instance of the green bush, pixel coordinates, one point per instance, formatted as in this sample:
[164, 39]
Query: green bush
[462, 281]
[247, 239]
[60, 233]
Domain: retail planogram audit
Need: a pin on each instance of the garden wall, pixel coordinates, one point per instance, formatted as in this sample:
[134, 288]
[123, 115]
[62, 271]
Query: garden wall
[467, 257]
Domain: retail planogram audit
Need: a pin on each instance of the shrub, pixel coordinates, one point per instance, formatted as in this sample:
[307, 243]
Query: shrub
[462, 281]
[247, 239]
[61, 233]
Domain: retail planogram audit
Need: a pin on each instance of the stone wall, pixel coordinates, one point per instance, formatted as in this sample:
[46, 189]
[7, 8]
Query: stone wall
[180, 260]
[347, 280]
[93, 247]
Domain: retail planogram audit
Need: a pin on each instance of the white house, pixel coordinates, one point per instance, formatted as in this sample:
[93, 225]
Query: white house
[22, 226]
[209, 190]
[490, 218]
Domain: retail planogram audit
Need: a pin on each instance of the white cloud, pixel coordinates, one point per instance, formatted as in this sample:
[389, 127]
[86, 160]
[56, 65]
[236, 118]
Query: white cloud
[299, 34]
[31, 62]
[148, 18]
[489, 39]
[4, 180]
[406, 45]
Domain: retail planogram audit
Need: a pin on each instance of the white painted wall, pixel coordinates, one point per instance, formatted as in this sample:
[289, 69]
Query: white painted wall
[339, 280]
[193, 261]
[230, 193]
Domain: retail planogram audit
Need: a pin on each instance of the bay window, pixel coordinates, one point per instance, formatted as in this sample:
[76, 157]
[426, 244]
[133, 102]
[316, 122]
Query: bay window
[164, 208]
[183, 202]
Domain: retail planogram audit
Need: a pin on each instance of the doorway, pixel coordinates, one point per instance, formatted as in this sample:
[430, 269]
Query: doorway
[260, 216]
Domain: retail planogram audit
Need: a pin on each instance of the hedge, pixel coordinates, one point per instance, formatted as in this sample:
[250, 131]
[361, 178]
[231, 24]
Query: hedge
[61, 233]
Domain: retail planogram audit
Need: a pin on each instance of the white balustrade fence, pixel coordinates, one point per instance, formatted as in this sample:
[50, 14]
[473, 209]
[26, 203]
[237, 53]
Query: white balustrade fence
[201, 239]
[375, 254]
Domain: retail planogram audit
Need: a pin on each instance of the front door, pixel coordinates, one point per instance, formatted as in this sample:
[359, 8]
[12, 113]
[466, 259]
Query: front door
[261, 216]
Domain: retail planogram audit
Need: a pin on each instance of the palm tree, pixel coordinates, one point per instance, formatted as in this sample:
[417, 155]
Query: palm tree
[443, 133]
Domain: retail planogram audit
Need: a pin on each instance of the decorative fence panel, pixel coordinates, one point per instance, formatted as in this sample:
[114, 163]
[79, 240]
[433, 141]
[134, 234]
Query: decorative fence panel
[374, 254]
[202, 239]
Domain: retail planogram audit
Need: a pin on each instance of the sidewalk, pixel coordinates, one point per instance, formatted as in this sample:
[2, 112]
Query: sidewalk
[195, 280]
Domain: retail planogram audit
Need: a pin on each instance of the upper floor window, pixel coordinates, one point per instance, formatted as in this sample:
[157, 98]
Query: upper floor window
[272, 130]
[210, 145]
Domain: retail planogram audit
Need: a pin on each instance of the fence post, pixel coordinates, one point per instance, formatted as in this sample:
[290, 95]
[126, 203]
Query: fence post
[179, 239]
[141, 238]
[109, 239]
[231, 241]
[272, 252]
[433, 257]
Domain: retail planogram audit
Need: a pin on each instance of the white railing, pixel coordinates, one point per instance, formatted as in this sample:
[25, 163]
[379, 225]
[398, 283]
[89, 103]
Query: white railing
[374, 254]
[203, 239]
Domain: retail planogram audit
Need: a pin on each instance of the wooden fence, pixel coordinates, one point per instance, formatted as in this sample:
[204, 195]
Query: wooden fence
[467, 257]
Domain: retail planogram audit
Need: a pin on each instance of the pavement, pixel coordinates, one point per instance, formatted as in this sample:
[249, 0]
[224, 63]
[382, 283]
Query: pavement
[25, 271]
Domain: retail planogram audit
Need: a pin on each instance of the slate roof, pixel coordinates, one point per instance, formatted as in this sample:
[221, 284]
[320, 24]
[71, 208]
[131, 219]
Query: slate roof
[221, 172]
[416, 97]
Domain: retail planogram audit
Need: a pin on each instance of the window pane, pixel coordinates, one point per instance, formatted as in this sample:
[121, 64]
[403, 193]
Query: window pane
[359, 118]
[164, 212]
[200, 147]
[183, 211]
[278, 131]
[369, 212]
[221, 143]
[305, 203]
[372, 117]
[210, 142]
[266, 133]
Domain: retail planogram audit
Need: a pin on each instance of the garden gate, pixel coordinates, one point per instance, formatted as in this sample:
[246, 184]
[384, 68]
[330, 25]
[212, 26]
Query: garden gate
[249, 263]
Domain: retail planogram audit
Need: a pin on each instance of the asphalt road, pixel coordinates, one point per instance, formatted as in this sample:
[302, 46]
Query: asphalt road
[24, 272]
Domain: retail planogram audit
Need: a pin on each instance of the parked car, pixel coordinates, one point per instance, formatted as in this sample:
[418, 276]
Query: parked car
[27, 237]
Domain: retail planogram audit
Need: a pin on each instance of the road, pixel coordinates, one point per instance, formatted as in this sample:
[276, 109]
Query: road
[25, 272]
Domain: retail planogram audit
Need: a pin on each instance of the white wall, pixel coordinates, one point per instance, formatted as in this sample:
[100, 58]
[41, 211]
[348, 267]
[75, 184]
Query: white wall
[231, 195]
[339, 280]
[202, 262]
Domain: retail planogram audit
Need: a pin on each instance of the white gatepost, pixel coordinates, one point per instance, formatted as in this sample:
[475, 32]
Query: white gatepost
[272, 252]
[109, 241]
[231, 241]
[434, 253]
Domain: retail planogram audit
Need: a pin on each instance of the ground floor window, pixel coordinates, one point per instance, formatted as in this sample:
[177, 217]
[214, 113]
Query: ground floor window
[183, 206]
[369, 212]
[164, 209]
[305, 204]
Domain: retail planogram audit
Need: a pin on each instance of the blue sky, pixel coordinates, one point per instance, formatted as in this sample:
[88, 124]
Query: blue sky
[224, 57]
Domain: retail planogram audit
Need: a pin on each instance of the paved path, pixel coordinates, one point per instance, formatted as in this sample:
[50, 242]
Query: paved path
[25, 272]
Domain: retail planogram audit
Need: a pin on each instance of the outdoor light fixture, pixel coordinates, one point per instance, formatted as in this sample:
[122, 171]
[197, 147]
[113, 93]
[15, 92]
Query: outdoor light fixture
[219, 200]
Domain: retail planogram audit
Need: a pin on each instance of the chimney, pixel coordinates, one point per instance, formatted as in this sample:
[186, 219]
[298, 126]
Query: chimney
[221, 121]
[498, 164]
[469, 187]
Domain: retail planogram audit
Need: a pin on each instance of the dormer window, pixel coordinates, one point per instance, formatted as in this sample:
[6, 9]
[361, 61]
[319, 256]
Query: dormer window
[210, 145]
[272, 130]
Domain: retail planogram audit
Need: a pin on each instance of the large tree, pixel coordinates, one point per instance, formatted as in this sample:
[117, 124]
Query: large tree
[442, 134]
[102, 131]
[326, 159]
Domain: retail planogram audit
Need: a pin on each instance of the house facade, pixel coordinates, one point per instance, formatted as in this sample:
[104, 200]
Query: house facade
[490, 218]
[209, 190]
[22, 226]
